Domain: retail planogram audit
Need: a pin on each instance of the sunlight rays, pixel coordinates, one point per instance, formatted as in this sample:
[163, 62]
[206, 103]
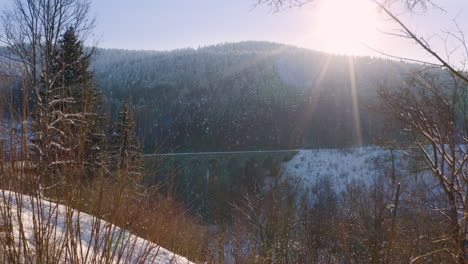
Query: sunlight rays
[355, 100]
[315, 96]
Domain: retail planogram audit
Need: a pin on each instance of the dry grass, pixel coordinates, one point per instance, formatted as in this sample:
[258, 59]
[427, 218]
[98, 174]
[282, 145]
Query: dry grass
[53, 233]
[168, 223]
[156, 216]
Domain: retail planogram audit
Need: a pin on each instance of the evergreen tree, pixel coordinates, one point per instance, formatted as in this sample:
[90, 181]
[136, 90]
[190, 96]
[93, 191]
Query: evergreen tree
[68, 128]
[125, 148]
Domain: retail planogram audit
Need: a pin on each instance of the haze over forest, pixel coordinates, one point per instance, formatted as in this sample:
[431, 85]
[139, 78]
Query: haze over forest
[247, 96]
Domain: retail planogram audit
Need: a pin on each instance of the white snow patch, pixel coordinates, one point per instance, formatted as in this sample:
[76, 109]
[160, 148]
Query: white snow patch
[54, 218]
[338, 165]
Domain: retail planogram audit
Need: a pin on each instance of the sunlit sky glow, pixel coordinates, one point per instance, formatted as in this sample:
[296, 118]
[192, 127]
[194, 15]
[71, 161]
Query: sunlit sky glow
[343, 26]
[336, 26]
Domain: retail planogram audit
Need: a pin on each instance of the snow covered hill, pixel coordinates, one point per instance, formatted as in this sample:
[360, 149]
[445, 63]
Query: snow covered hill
[340, 166]
[78, 235]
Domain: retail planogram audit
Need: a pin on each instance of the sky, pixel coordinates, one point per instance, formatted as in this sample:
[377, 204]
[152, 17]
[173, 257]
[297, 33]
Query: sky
[336, 26]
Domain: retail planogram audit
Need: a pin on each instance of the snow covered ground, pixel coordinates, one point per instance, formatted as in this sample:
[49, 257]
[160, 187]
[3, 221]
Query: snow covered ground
[338, 165]
[94, 237]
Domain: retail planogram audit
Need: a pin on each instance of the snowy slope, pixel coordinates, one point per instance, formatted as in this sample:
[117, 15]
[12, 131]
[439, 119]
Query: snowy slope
[54, 218]
[339, 165]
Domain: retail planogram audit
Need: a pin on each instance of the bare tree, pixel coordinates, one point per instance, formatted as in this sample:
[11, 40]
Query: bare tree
[432, 110]
[32, 31]
[278, 4]
[442, 60]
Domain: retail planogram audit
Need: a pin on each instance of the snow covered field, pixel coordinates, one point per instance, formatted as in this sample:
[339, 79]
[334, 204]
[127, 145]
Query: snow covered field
[89, 239]
[338, 165]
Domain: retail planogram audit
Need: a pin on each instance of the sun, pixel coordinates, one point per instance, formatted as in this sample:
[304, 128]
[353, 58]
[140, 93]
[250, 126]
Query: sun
[344, 26]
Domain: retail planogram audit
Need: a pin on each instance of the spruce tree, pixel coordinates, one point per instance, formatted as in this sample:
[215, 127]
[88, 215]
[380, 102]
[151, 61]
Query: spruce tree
[125, 147]
[68, 128]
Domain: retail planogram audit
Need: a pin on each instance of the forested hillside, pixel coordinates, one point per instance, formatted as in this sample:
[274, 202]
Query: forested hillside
[248, 95]
[244, 96]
